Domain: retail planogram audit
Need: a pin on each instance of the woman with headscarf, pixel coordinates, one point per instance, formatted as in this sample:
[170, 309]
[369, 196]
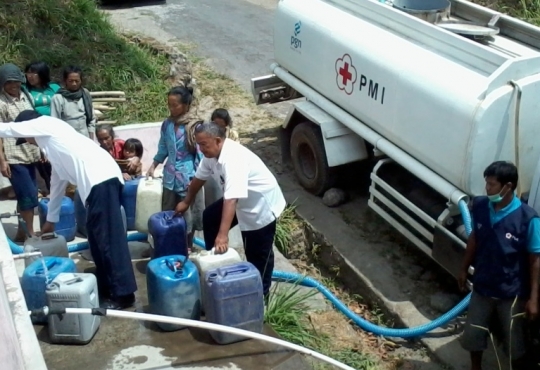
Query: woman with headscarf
[73, 103]
[18, 162]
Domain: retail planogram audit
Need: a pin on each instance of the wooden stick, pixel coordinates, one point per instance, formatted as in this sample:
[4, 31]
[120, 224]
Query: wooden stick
[103, 107]
[108, 122]
[107, 93]
[102, 100]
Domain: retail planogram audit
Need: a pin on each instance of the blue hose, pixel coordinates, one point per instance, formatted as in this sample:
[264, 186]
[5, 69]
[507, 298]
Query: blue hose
[15, 248]
[466, 216]
[363, 323]
[134, 237]
[417, 331]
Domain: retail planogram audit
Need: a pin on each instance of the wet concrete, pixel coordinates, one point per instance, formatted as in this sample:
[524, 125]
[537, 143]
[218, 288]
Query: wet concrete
[122, 344]
[131, 344]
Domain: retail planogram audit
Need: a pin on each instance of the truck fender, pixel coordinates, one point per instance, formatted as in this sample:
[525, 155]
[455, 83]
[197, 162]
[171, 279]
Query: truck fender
[316, 144]
[341, 144]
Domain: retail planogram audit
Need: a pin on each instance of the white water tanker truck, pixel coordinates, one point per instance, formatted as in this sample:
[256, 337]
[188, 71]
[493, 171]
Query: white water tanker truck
[433, 91]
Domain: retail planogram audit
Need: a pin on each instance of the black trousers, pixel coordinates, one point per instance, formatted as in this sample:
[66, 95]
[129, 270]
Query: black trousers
[108, 240]
[257, 243]
[45, 169]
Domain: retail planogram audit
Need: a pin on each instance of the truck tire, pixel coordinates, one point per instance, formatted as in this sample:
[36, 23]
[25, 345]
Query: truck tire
[309, 159]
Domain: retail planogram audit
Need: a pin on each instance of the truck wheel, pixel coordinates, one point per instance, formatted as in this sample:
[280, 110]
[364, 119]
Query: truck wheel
[309, 159]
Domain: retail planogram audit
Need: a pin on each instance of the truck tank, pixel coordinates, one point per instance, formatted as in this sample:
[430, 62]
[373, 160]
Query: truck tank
[453, 103]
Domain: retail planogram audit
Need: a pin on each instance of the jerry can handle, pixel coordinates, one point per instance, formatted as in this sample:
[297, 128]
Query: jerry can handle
[176, 265]
[170, 265]
[76, 279]
[49, 236]
[238, 270]
[173, 265]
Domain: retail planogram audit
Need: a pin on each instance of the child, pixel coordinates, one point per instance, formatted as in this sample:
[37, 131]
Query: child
[133, 148]
[221, 117]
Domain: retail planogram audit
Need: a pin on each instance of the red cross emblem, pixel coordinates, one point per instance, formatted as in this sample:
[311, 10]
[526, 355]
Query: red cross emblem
[345, 74]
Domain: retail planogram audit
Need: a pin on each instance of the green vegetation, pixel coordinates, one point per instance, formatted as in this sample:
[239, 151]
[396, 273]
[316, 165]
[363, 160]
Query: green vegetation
[286, 313]
[62, 32]
[288, 222]
[527, 10]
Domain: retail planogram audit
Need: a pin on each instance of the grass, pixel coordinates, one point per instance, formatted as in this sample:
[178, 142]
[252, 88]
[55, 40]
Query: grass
[62, 32]
[286, 313]
[287, 223]
[527, 10]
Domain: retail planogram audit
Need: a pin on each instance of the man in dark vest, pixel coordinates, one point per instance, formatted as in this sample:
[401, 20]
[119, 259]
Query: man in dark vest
[504, 249]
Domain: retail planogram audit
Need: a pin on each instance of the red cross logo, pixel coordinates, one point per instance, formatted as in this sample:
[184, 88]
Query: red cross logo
[345, 74]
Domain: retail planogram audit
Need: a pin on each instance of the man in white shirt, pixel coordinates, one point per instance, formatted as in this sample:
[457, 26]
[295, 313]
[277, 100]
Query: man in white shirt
[80, 161]
[252, 198]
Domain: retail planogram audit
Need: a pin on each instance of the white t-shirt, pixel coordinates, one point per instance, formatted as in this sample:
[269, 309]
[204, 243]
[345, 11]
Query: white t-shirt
[242, 175]
[74, 158]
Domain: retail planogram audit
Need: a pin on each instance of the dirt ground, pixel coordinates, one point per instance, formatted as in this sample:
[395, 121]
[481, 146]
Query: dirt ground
[394, 355]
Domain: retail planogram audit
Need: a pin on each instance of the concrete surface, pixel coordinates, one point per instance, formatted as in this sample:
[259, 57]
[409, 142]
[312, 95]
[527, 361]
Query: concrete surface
[127, 344]
[130, 344]
[148, 133]
[19, 348]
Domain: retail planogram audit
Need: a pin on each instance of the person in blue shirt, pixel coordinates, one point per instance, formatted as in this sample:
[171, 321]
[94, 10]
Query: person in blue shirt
[178, 147]
[504, 249]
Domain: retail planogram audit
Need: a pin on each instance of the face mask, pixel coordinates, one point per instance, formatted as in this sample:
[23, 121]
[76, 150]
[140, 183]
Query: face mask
[496, 198]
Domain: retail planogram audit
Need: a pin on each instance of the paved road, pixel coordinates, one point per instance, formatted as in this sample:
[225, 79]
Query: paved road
[216, 26]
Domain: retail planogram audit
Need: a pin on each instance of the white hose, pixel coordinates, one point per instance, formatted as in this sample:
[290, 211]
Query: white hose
[209, 326]
[27, 255]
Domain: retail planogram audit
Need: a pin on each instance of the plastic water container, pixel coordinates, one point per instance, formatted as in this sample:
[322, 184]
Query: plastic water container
[70, 290]
[129, 201]
[37, 276]
[81, 214]
[49, 244]
[208, 260]
[66, 225]
[168, 233]
[149, 194]
[234, 297]
[173, 289]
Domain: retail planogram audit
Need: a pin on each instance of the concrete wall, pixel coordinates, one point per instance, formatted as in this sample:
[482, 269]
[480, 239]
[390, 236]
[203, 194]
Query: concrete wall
[147, 133]
[19, 348]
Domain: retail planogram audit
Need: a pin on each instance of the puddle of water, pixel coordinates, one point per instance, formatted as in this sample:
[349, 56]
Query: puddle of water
[140, 358]
[147, 357]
